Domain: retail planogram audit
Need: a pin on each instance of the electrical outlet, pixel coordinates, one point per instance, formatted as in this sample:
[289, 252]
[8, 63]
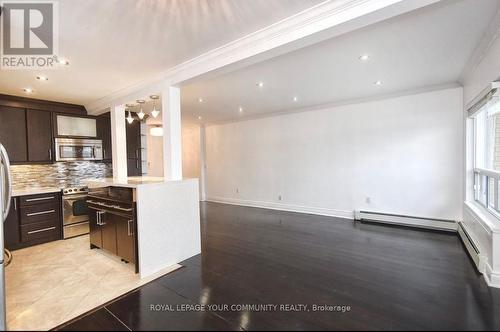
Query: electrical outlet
[368, 200]
[237, 191]
[279, 198]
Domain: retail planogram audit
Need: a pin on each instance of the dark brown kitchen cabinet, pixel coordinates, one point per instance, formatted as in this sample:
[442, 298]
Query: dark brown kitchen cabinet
[40, 218]
[95, 228]
[134, 167]
[112, 222]
[134, 161]
[13, 133]
[108, 229]
[125, 238]
[104, 133]
[12, 235]
[39, 127]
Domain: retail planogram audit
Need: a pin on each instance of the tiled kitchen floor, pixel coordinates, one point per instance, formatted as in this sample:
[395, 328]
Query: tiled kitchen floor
[48, 284]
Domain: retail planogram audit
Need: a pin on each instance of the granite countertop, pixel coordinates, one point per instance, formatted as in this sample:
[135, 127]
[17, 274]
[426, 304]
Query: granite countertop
[129, 182]
[33, 190]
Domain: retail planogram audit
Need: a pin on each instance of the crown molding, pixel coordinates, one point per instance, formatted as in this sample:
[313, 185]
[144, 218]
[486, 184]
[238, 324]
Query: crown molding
[325, 20]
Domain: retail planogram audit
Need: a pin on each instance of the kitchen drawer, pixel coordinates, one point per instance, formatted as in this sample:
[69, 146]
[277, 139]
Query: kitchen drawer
[40, 212]
[41, 232]
[40, 199]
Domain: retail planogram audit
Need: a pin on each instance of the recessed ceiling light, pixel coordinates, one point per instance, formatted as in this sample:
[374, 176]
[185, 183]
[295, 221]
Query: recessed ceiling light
[42, 78]
[63, 61]
[260, 84]
[377, 82]
[240, 109]
[200, 100]
[199, 117]
[364, 57]
[28, 90]
[295, 98]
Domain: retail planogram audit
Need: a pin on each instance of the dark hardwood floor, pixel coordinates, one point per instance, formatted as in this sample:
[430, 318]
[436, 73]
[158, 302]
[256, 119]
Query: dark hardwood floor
[391, 278]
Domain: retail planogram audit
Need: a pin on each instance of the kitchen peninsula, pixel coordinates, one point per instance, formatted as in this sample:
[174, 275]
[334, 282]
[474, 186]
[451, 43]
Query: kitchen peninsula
[167, 219]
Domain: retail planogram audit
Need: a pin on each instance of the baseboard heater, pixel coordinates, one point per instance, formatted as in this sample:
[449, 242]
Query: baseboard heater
[471, 247]
[402, 220]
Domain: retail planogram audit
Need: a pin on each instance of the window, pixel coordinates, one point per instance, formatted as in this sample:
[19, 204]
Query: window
[487, 153]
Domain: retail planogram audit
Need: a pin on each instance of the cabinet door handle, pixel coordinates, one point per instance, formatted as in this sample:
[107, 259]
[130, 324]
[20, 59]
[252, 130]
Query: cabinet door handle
[50, 154]
[15, 204]
[42, 230]
[40, 213]
[39, 199]
[99, 218]
[129, 231]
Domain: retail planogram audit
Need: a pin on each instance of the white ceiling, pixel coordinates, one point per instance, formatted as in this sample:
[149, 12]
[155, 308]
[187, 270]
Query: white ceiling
[113, 44]
[427, 47]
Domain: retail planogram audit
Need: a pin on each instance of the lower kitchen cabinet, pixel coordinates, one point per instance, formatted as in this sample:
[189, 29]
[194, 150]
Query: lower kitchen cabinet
[95, 227]
[113, 232]
[108, 230]
[125, 238]
[12, 236]
[40, 218]
[33, 219]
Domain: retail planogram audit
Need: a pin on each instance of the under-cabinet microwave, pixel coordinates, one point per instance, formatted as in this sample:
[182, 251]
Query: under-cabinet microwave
[76, 149]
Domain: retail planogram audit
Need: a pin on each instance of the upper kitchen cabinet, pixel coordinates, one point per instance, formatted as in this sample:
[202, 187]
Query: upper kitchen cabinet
[39, 127]
[104, 133]
[13, 133]
[134, 152]
[75, 126]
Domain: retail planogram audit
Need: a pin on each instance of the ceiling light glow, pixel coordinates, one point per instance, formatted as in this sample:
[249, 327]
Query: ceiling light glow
[156, 131]
[364, 57]
[63, 61]
[378, 83]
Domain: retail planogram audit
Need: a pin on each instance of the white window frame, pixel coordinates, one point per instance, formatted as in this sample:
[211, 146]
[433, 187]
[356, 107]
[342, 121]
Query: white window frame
[481, 176]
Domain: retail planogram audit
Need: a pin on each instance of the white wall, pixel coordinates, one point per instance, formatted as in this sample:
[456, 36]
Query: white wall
[404, 154]
[154, 154]
[191, 151]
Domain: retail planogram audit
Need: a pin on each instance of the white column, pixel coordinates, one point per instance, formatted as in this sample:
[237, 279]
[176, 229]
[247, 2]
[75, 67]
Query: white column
[119, 142]
[203, 164]
[172, 134]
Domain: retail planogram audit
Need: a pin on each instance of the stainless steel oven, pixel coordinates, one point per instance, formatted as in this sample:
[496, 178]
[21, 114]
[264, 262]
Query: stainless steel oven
[75, 212]
[75, 149]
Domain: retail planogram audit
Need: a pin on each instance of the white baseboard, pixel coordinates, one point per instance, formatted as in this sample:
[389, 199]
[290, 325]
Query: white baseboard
[492, 278]
[404, 220]
[284, 207]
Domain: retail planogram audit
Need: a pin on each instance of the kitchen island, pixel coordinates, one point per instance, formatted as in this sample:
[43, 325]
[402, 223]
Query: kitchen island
[167, 219]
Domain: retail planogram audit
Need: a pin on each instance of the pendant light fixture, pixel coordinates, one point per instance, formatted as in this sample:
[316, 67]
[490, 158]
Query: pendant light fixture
[129, 118]
[141, 114]
[154, 112]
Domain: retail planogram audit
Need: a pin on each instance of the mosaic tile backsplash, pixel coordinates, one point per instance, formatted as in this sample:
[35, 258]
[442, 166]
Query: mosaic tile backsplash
[58, 174]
